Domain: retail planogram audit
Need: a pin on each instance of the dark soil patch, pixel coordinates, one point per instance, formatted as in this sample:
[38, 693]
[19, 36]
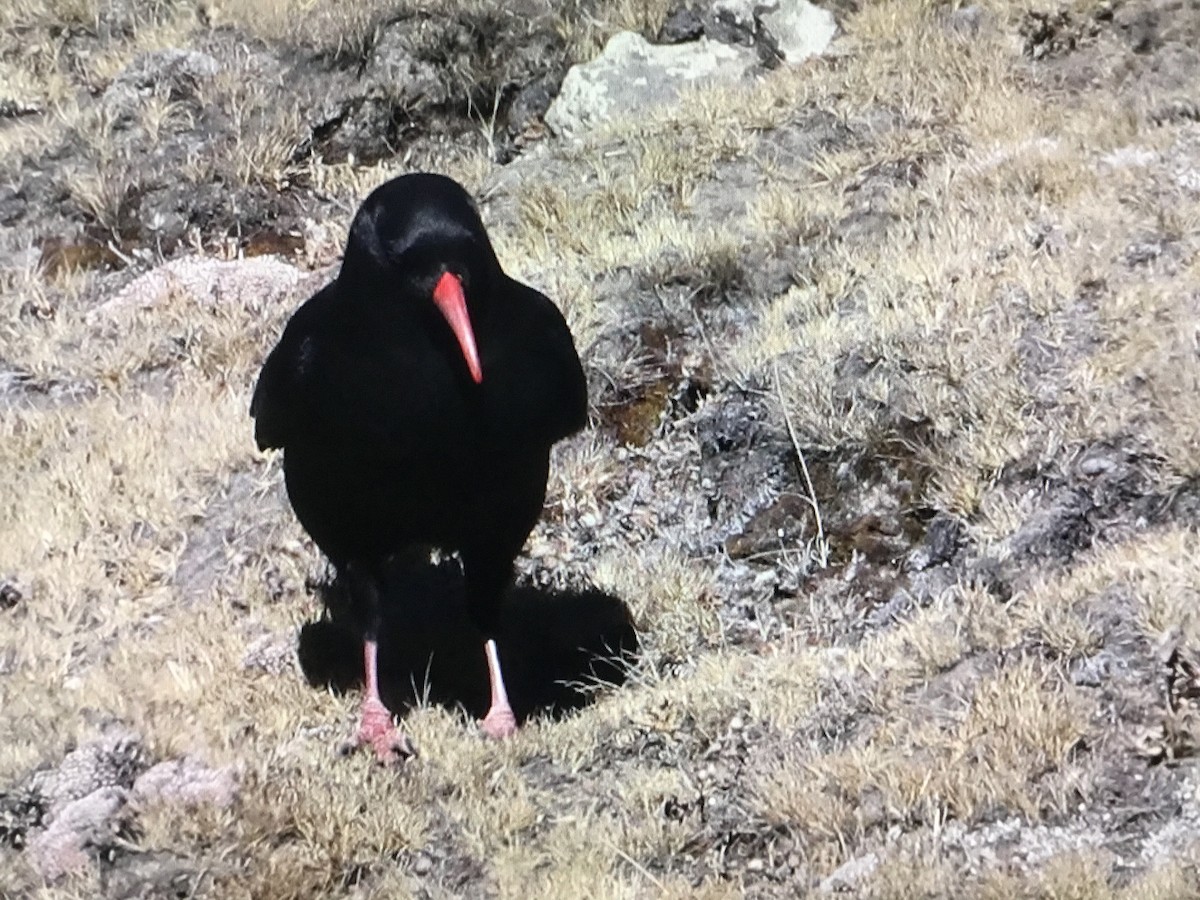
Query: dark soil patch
[636, 411]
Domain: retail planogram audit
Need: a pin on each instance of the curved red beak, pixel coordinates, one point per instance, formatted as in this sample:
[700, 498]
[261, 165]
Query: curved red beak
[448, 295]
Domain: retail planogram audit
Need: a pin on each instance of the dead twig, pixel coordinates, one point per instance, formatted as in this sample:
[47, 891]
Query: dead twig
[822, 554]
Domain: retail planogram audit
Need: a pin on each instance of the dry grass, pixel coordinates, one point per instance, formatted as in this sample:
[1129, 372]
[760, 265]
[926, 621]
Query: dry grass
[339, 28]
[990, 298]
[343, 30]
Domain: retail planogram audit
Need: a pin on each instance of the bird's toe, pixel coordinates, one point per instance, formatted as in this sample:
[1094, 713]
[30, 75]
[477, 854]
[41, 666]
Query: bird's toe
[499, 723]
[393, 747]
[375, 730]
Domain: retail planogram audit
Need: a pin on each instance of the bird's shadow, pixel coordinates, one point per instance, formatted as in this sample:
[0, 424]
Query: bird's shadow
[556, 647]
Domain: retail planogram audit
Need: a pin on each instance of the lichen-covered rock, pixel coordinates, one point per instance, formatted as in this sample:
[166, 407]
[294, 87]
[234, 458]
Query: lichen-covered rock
[848, 875]
[66, 816]
[187, 782]
[271, 653]
[799, 28]
[62, 815]
[112, 760]
[633, 74]
[171, 74]
[203, 279]
[90, 822]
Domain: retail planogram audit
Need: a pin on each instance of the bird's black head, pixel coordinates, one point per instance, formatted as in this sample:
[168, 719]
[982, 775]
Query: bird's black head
[418, 241]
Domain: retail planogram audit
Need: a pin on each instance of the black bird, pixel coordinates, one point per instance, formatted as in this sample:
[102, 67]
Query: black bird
[416, 399]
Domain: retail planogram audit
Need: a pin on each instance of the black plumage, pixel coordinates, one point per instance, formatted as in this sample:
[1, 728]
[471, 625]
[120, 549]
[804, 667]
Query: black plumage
[416, 399]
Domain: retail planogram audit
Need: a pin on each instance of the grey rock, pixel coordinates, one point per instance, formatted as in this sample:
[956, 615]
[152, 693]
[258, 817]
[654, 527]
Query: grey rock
[63, 815]
[1143, 252]
[13, 108]
[730, 27]
[632, 74]
[942, 541]
[794, 30]
[728, 424]
[740, 12]
[1100, 460]
[682, 25]
[187, 782]
[799, 28]
[1099, 669]
[1057, 530]
[847, 876]
[171, 74]
[157, 873]
[897, 608]
[86, 824]
[114, 759]
[272, 653]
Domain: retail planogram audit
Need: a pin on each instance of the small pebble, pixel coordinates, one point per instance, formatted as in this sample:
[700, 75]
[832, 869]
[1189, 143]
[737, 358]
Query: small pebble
[1095, 465]
[422, 865]
[767, 579]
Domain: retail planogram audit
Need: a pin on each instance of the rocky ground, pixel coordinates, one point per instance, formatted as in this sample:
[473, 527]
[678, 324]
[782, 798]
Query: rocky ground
[894, 455]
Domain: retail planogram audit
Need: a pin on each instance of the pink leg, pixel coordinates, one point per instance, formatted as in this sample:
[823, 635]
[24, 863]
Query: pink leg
[499, 721]
[375, 725]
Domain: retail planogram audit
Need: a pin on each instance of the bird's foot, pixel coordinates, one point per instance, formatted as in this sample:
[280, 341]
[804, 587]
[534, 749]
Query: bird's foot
[376, 730]
[499, 722]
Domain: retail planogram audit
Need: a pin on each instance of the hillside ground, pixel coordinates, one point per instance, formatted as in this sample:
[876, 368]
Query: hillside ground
[894, 360]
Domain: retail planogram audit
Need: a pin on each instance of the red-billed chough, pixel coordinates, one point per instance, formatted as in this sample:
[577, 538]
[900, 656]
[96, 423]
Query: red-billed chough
[416, 399]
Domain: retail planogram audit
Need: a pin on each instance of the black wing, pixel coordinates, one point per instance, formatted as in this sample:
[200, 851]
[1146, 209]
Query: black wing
[278, 405]
[547, 390]
[372, 386]
[271, 406]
